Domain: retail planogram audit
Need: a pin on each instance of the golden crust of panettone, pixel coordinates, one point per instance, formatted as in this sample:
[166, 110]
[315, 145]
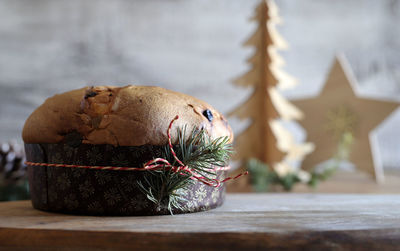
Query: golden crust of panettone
[125, 116]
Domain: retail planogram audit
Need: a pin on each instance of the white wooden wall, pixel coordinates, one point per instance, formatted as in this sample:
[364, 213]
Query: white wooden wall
[192, 46]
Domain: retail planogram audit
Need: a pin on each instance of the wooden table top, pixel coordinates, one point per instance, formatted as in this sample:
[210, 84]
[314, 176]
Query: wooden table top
[245, 221]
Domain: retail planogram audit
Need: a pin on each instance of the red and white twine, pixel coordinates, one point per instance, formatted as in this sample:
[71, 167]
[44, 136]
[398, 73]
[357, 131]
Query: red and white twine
[156, 164]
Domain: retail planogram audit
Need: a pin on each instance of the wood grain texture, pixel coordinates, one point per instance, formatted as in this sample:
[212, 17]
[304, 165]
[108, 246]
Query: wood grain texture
[287, 221]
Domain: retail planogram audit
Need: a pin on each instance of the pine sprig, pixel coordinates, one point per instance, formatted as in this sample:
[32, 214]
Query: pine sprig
[199, 152]
[160, 187]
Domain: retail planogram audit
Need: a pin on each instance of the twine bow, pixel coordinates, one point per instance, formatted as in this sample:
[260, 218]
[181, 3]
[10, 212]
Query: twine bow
[163, 163]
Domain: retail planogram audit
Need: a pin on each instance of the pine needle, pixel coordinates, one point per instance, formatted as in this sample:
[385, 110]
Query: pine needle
[199, 152]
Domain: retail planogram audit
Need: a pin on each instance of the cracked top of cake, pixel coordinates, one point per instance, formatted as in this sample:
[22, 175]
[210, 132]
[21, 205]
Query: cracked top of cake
[125, 116]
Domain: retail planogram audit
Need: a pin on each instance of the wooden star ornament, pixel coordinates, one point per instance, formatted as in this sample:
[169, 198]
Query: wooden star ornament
[338, 109]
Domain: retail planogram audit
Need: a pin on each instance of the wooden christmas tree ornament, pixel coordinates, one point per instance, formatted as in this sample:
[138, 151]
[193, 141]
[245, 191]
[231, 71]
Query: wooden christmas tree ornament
[266, 139]
[339, 109]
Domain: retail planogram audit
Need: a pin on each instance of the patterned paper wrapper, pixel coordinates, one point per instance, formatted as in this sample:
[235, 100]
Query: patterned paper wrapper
[104, 192]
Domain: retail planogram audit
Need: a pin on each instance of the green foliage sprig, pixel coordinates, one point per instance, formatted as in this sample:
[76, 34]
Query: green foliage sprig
[199, 152]
[262, 176]
[17, 191]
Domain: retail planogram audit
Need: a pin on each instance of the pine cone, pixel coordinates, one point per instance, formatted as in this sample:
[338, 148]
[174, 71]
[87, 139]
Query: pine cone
[12, 167]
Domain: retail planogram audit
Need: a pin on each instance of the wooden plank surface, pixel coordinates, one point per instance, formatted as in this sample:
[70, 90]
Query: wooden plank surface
[290, 221]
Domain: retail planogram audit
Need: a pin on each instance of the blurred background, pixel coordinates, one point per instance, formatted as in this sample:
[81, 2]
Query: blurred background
[194, 47]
